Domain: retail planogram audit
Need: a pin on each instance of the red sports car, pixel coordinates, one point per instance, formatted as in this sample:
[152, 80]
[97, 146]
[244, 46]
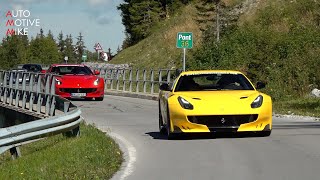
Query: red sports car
[77, 81]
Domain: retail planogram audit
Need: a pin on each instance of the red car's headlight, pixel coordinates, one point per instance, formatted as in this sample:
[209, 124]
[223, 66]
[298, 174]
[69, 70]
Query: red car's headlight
[58, 82]
[96, 82]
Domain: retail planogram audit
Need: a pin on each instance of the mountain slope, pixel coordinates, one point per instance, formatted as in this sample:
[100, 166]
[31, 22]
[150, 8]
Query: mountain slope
[159, 50]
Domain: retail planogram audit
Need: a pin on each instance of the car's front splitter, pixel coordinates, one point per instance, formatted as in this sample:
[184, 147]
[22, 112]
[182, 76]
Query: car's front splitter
[182, 124]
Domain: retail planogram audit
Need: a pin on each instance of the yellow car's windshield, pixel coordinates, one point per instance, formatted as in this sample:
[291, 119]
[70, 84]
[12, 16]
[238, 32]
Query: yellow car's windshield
[213, 81]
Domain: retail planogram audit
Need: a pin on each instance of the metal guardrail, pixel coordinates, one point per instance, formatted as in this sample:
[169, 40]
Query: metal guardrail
[137, 81]
[33, 94]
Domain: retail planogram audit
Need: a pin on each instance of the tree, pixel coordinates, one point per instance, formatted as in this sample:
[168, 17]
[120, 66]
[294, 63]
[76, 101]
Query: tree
[13, 51]
[43, 50]
[69, 49]
[214, 17]
[144, 16]
[79, 48]
[139, 16]
[50, 35]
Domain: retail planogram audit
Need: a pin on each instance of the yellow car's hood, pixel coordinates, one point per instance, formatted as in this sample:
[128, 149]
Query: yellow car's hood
[220, 102]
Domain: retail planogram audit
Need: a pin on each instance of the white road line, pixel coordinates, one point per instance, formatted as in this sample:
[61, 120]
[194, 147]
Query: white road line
[129, 152]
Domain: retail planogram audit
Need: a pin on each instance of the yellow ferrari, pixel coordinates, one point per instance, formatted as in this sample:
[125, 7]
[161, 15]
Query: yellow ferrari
[214, 101]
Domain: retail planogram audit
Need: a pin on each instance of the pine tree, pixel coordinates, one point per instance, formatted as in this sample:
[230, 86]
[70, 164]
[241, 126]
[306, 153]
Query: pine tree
[214, 17]
[50, 35]
[43, 50]
[13, 51]
[79, 49]
[69, 49]
[144, 15]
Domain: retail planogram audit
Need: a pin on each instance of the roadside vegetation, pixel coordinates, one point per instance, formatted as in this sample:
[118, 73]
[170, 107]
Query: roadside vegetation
[272, 41]
[93, 155]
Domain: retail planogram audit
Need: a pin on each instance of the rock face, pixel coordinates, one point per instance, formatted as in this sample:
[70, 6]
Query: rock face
[315, 93]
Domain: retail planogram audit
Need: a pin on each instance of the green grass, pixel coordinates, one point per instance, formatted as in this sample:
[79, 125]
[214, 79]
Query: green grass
[159, 49]
[300, 106]
[93, 155]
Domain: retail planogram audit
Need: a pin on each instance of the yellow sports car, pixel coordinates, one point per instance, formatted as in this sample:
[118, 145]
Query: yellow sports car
[214, 101]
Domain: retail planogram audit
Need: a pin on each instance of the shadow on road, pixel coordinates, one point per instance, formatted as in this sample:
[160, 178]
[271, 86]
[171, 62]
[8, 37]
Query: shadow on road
[198, 136]
[298, 125]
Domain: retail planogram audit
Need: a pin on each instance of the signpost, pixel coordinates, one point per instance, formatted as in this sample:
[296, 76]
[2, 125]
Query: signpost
[185, 41]
[84, 57]
[98, 48]
[66, 59]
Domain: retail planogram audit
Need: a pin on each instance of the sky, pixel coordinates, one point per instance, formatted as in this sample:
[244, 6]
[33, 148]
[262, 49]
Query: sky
[99, 21]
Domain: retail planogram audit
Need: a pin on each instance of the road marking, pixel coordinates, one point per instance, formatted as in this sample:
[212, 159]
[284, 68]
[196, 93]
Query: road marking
[130, 157]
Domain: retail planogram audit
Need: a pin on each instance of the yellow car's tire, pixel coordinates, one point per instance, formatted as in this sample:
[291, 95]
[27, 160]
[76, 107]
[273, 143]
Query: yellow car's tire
[170, 135]
[162, 129]
[263, 133]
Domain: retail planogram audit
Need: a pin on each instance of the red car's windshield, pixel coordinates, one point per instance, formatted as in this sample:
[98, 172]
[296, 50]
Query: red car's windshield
[72, 70]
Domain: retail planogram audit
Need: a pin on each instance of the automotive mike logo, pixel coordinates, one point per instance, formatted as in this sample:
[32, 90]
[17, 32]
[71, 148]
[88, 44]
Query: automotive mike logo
[19, 21]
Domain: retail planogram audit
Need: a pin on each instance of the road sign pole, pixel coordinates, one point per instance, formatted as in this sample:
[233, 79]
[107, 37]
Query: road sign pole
[98, 55]
[184, 59]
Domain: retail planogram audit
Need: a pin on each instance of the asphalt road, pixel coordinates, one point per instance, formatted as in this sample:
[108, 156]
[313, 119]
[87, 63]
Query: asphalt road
[292, 152]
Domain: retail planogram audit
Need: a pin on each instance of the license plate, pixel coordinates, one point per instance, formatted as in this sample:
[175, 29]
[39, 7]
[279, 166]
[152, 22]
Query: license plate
[78, 94]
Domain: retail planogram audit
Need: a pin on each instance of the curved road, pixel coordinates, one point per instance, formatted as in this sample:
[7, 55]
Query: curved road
[292, 152]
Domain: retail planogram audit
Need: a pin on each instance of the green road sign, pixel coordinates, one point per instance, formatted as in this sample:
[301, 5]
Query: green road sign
[184, 40]
[84, 57]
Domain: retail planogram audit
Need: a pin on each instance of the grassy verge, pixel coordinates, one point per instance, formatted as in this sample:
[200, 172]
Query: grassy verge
[300, 106]
[93, 155]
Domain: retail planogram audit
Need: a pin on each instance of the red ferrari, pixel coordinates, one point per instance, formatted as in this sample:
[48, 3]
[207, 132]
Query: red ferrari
[77, 81]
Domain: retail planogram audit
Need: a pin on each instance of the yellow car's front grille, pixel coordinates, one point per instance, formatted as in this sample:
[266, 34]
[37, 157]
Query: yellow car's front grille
[216, 121]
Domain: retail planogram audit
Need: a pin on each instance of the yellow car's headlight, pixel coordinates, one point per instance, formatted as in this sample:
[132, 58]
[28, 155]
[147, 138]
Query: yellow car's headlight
[257, 102]
[184, 103]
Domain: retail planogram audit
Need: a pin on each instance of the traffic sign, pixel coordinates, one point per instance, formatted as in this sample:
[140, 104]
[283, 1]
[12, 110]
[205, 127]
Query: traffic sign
[84, 57]
[184, 40]
[97, 47]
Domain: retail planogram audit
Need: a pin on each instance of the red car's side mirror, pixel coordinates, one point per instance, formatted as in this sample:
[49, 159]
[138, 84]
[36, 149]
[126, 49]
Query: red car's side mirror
[96, 72]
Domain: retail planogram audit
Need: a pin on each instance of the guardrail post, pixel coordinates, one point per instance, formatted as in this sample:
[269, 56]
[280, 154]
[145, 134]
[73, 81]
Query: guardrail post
[53, 105]
[15, 152]
[39, 103]
[11, 91]
[168, 76]
[124, 80]
[144, 81]
[152, 82]
[137, 81]
[160, 78]
[73, 132]
[66, 106]
[47, 88]
[111, 79]
[130, 80]
[118, 74]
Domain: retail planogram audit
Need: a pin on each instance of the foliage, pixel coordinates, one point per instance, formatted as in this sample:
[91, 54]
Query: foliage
[159, 49]
[79, 48]
[138, 17]
[13, 51]
[42, 49]
[280, 46]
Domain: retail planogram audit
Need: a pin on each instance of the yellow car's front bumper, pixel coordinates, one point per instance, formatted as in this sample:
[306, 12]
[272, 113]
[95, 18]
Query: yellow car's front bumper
[258, 120]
